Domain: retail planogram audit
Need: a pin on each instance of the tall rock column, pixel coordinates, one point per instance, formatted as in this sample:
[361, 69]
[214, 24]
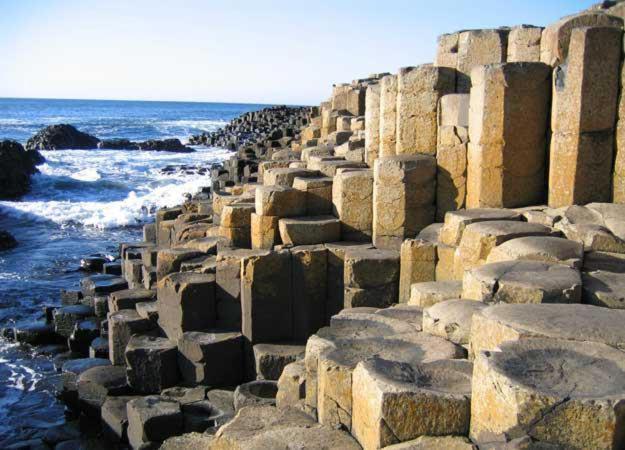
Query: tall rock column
[372, 124]
[388, 115]
[583, 118]
[509, 113]
[524, 44]
[418, 91]
[451, 153]
[404, 192]
[618, 177]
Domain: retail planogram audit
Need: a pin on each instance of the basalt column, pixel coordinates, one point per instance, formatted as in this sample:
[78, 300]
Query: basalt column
[372, 124]
[585, 92]
[506, 161]
[418, 91]
[388, 115]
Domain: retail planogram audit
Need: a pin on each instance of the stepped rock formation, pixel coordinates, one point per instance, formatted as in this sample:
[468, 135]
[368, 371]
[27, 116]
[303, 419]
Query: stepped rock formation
[329, 290]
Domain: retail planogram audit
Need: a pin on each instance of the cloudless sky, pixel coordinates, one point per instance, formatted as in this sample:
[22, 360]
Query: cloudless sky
[231, 50]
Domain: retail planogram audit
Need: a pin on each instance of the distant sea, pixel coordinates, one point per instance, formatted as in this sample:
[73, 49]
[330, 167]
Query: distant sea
[82, 202]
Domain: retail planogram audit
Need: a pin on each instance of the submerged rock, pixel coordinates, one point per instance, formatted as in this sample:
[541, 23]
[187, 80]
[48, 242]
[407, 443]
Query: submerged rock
[7, 241]
[60, 137]
[16, 167]
[118, 144]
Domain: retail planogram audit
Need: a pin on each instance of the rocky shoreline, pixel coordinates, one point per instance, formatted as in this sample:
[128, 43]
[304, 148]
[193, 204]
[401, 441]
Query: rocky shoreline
[403, 267]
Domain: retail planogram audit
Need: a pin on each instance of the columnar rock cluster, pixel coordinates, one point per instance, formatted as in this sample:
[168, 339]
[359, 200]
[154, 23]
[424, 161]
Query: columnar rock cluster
[431, 261]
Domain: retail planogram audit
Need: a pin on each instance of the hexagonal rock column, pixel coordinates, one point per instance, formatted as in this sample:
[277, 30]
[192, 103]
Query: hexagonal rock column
[309, 271]
[292, 385]
[309, 230]
[417, 265]
[228, 286]
[478, 48]
[451, 153]
[122, 325]
[583, 118]
[271, 359]
[430, 293]
[169, 260]
[498, 323]
[388, 115]
[523, 282]
[410, 314]
[279, 201]
[524, 44]
[255, 393]
[96, 383]
[352, 203]
[539, 248]
[371, 278]
[235, 224]
[372, 123]
[151, 420]
[506, 163]
[335, 368]
[447, 51]
[318, 194]
[335, 275]
[404, 192]
[266, 297]
[479, 239]
[451, 319]
[211, 359]
[264, 231]
[66, 318]
[152, 364]
[556, 38]
[396, 402]
[569, 394]
[186, 302]
[115, 418]
[418, 92]
[128, 298]
[286, 176]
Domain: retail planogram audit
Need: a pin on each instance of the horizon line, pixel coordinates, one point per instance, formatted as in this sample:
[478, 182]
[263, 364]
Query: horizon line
[148, 101]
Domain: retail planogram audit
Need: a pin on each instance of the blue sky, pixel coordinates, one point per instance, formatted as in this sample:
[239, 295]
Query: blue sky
[238, 51]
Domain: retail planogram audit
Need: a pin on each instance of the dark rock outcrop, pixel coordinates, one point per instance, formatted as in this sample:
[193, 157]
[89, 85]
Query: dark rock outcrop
[7, 241]
[118, 144]
[165, 145]
[60, 137]
[16, 167]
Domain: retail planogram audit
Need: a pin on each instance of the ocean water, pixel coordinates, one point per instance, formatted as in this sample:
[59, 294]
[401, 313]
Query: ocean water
[83, 202]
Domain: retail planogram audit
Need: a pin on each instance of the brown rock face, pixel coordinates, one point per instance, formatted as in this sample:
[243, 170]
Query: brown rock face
[506, 163]
[583, 118]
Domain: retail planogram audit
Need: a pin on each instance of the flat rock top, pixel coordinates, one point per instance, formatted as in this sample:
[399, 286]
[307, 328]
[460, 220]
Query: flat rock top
[279, 349]
[267, 427]
[77, 366]
[149, 343]
[364, 325]
[202, 338]
[75, 310]
[602, 281]
[447, 376]
[507, 227]
[410, 314]
[547, 246]
[189, 278]
[371, 254]
[562, 368]
[133, 294]
[526, 270]
[419, 347]
[431, 232]
[452, 288]
[153, 406]
[455, 311]
[125, 315]
[574, 322]
[108, 376]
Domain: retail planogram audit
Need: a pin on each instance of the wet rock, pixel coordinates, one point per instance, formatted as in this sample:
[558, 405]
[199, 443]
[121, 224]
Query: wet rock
[99, 348]
[118, 144]
[101, 284]
[7, 241]
[96, 383]
[60, 137]
[16, 167]
[115, 417]
[36, 334]
[84, 333]
[66, 318]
